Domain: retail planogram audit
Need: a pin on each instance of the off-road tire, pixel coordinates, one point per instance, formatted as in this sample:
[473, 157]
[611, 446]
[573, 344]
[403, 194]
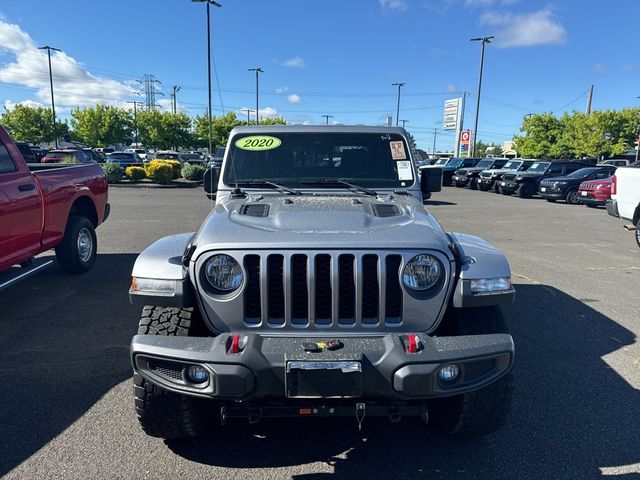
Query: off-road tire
[162, 413]
[496, 187]
[525, 190]
[483, 411]
[473, 184]
[458, 184]
[483, 188]
[72, 257]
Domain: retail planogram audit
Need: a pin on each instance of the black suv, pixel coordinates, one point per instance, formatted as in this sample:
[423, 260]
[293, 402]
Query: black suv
[566, 187]
[468, 177]
[490, 179]
[526, 184]
[27, 153]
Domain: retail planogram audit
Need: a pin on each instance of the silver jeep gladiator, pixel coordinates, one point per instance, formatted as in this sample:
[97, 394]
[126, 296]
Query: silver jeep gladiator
[320, 285]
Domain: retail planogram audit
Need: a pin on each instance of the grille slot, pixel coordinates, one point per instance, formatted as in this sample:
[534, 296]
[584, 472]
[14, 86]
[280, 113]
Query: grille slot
[275, 287]
[393, 311]
[346, 291]
[299, 291]
[252, 292]
[167, 369]
[370, 288]
[323, 289]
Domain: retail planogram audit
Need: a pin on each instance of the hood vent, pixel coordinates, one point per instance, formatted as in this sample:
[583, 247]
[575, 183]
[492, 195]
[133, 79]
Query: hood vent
[255, 210]
[385, 210]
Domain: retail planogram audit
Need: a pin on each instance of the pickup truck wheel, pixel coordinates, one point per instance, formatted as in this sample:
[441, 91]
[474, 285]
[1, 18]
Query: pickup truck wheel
[482, 411]
[77, 251]
[638, 233]
[525, 190]
[162, 413]
[573, 197]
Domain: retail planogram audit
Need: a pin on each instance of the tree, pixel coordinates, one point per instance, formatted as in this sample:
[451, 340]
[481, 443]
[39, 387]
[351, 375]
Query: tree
[32, 124]
[482, 149]
[102, 125]
[542, 131]
[222, 126]
[412, 141]
[164, 130]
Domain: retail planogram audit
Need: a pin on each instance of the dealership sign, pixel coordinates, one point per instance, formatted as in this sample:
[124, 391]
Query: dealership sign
[465, 143]
[452, 110]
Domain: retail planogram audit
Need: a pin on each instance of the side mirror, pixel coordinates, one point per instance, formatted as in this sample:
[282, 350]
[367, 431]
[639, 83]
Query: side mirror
[210, 182]
[430, 181]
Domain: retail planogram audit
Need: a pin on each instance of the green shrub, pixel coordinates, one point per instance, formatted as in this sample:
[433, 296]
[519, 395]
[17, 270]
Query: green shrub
[193, 172]
[159, 172]
[135, 174]
[113, 171]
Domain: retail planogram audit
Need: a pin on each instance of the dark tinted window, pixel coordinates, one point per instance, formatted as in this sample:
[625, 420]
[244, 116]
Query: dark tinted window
[583, 172]
[24, 149]
[572, 168]
[6, 164]
[122, 156]
[168, 156]
[554, 169]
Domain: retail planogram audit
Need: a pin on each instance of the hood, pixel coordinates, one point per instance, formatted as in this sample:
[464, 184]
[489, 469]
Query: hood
[320, 221]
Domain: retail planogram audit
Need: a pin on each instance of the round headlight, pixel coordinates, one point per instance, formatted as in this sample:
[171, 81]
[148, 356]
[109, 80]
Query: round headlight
[422, 272]
[223, 273]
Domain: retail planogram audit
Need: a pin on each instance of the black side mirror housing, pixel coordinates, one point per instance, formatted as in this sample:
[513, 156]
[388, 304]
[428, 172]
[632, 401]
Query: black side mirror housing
[430, 181]
[210, 182]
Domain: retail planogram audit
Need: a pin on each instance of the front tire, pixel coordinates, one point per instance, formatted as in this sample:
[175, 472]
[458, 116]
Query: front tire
[638, 233]
[573, 197]
[473, 184]
[77, 251]
[166, 414]
[525, 190]
[483, 411]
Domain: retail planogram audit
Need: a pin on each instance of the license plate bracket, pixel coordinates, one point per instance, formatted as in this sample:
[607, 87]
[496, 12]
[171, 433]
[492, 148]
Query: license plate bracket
[323, 379]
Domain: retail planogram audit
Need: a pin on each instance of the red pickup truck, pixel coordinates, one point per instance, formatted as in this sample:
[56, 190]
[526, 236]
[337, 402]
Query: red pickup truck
[43, 208]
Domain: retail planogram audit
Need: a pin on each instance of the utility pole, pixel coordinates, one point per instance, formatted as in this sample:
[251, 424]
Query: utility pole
[248, 112]
[327, 117]
[399, 85]
[403, 122]
[176, 89]
[215, 4]
[435, 133]
[258, 71]
[484, 41]
[589, 97]
[53, 103]
[135, 121]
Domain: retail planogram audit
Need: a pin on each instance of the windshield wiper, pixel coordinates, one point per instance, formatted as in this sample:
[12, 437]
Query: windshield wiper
[351, 186]
[266, 183]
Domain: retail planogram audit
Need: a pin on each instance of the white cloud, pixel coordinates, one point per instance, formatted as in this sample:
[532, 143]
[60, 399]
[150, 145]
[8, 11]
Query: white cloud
[599, 68]
[451, 88]
[525, 29]
[628, 68]
[393, 5]
[295, 62]
[9, 104]
[294, 98]
[73, 84]
[281, 90]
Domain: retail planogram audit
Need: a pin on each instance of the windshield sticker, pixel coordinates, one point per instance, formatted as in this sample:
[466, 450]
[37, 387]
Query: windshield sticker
[397, 150]
[258, 143]
[404, 170]
[534, 166]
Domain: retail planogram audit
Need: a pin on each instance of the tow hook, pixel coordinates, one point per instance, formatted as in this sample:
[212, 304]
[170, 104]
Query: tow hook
[360, 413]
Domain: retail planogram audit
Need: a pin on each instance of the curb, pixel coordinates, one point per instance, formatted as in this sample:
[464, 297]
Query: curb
[155, 185]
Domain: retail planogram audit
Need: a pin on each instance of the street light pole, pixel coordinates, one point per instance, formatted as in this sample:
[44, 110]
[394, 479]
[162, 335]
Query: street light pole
[403, 122]
[135, 120]
[484, 41]
[399, 85]
[258, 71]
[215, 4]
[53, 104]
[176, 89]
[327, 118]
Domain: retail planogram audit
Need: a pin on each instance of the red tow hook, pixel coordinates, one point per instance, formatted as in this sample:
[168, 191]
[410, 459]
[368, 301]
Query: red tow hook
[236, 346]
[412, 343]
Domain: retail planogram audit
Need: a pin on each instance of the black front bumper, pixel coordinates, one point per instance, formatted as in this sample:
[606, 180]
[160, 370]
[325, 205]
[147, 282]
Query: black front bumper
[551, 193]
[279, 367]
[508, 186]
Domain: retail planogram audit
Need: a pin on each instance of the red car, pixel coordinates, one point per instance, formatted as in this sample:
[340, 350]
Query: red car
[55, 207]
[56, 156]
[595, 193]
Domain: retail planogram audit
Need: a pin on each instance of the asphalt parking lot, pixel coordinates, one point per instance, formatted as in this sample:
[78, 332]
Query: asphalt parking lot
[66, 396]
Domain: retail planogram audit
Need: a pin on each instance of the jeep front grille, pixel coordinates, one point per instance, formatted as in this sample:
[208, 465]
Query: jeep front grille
[324, 290]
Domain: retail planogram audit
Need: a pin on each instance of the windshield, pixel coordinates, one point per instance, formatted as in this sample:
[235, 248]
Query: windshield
[512, 165]
[442, 161]
[219, 152]
[121, 155]
[295, 159]
[190, 156]
[583, 172]
[484, 164]
[538, 167]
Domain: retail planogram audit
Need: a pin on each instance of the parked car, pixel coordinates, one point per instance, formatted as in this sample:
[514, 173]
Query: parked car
[490, 179]
[26, 152]
[527, 184]
[125, 159]
[56, 156]
[618, 162]
[566, 187]
[216, 160]
[95, 156]
[329, 291]
[193, 158]
[625, 197]
[450, 165]
[468, 177]
[141, 152]
[595, 193]
[43, 208]
[169, 155]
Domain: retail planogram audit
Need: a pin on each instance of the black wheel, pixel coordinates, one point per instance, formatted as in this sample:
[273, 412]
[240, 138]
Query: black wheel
[525, 190]
[77, 251]
[497, 188]
[166, 414]
[483, 187]
[458, 184]
[638, 233]
[573, 197]
[483, 411]
[473, 184]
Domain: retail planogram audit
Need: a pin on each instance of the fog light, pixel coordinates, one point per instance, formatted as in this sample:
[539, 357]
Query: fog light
[197, 374]
[449, 373]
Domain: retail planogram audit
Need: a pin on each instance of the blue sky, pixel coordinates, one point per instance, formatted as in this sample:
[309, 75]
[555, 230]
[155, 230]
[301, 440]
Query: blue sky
[331, 57]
